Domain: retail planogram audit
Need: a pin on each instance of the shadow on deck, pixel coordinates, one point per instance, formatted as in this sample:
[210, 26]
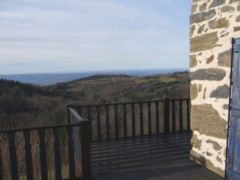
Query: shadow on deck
[151, 157]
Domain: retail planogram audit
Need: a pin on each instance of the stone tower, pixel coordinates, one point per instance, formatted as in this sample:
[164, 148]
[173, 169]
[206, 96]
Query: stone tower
[213, 24]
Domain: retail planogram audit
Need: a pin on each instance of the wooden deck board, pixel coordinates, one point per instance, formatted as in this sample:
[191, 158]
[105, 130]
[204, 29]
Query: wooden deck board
[147, 158]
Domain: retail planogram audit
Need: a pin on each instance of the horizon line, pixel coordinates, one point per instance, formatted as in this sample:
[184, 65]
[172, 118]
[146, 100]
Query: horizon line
[93, 71]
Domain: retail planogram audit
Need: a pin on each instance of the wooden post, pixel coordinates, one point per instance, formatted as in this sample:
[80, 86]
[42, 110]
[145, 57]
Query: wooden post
[141, 119]
[133, 120]
[107, 122]
[43, 155]
[180, 116]
[188, 115]
[149, 119]
[173, 117]
[13, 156]
[57, 156]
[1, 164]
[99, 131]
[116, 121]
[68, 115]
[124, 120]
[166, 115]
[85, 138]
[28, 155]
[157, 117]
[71, 168]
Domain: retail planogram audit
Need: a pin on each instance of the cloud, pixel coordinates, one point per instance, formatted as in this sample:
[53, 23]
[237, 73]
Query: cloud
[87, 33]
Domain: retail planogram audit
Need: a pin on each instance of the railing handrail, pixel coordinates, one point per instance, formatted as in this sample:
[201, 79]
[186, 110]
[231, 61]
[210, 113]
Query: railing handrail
[120, 103]
[84, 137]
[39, 128]
[76, 115]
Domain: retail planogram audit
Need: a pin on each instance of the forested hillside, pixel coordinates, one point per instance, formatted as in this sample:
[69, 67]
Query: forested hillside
[29, 105]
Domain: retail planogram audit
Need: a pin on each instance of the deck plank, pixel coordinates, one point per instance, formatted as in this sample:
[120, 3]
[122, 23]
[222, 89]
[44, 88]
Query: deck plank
[147, 158]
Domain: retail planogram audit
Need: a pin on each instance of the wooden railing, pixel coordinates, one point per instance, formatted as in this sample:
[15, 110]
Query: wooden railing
[122, 120]
[63, 151]
[51, 152]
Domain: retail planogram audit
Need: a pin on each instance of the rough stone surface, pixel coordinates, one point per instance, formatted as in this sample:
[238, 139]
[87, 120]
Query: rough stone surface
[220, 92]
[225, 106]
[205, 163]
[200, 88]
[203, 16]
[223, 35]
[236, 28]
[194, 91]
[203, 7]
[192, 29]
[210, 59]
[216, 146]
[233, 1]
[238, 18]
[209, 154]
[228, 9]
[200, 29]
[204, 42]
[213, 24]
[219, 159]
[211, 74]
[218, 23]
[194, 8]
[211, 119]
[216, 3]
[196, 143]
[224, 59]
[193, 61]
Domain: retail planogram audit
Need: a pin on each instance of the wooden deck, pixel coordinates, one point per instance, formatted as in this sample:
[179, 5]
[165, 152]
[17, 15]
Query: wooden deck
[147, 158]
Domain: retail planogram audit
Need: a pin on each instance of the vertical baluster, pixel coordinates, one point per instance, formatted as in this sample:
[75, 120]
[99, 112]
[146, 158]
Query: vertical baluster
[79, 110]
[68, 115]
[116, 121]
[43, 159]
[71, 159]
[188, 115]
[133, 120]
[141, 119]
[85, 139]
[173, 117]
[149, 119]
[166, 115]
[57, 157]
[157, 117]
[13, 156]
[28, 155]
[180, 116]
[89, 117]
[99, 132]
[1, 163]
[1, 159]
[107, 122]
[124, 119]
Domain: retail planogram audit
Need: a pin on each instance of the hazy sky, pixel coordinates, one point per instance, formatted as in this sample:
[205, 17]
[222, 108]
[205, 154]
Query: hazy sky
[80, 35]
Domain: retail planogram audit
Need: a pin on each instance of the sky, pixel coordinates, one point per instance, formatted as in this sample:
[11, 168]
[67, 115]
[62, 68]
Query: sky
[44, 36]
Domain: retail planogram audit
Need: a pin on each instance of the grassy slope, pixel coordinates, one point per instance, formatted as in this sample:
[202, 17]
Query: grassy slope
[105, 89]
[28, 105]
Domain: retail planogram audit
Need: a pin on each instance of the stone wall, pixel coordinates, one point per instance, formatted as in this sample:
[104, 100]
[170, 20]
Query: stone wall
[213, 24]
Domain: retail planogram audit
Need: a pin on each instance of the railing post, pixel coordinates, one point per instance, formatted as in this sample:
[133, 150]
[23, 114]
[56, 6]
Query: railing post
[68, 115]
[1, 164]
[188, 115]
[166, 115]
[85, 138]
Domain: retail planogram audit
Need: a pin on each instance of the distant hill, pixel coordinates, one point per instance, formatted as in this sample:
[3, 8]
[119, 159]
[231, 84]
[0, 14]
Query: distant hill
[30, 105]
[53, 78]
